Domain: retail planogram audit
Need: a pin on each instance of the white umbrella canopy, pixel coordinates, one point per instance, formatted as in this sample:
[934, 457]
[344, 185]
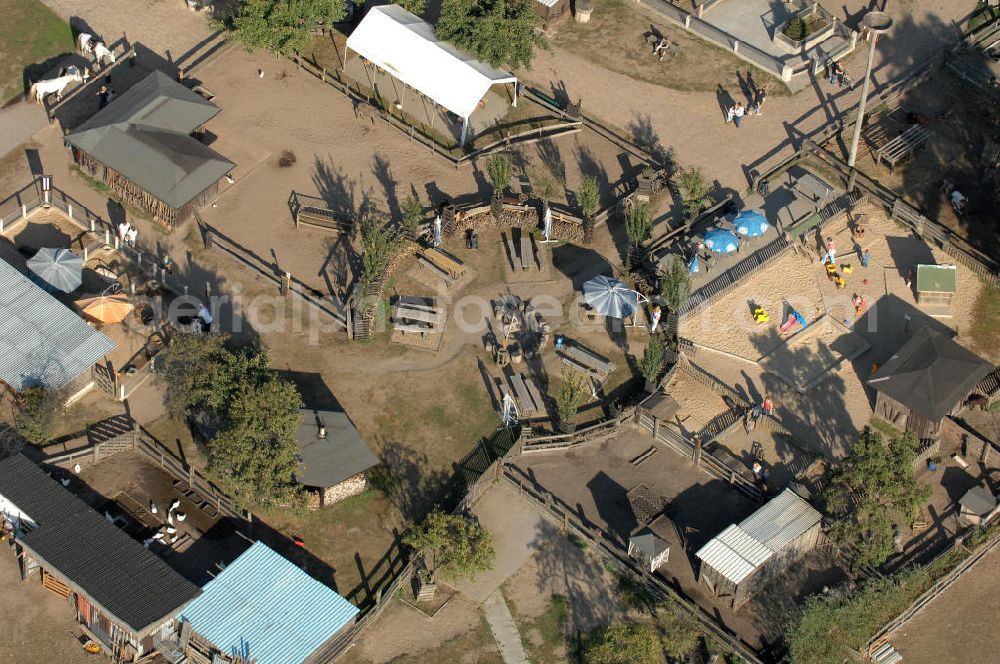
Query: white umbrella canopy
[610, 297]
[60, 269]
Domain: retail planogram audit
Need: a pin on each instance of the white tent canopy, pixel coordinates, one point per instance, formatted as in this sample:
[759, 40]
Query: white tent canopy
[405, 46]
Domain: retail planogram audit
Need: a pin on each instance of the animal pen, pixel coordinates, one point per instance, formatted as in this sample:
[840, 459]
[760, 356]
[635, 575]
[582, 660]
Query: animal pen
[745, 557]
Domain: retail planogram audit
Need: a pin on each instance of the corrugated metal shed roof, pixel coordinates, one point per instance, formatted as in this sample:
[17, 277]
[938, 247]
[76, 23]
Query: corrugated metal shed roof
[734, 554]
[98, 558]
[781, 520]
[264, 607]
[42, 342]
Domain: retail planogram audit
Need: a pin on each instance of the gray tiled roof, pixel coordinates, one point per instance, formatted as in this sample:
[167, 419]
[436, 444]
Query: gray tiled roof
[331, 460]
[99, 559]
[42, 341]
[930, 374]
[145, 136]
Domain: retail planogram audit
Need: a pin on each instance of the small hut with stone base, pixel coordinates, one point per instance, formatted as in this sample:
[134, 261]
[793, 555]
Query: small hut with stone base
[333, 457]
[144, 146]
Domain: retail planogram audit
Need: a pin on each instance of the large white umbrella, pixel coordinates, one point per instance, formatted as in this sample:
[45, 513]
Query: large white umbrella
[60, 269]
[610, 297]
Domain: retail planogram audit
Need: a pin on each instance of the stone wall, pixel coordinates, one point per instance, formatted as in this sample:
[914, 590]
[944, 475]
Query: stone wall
[352, 486]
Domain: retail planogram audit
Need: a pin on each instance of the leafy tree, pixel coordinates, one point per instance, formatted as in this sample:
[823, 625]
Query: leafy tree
[652, 358]
[499, 169]
[280, 26]
[571, 395]
[679, 633]
[624, 643]
[500, 32]
[544, 183]
[34, 413]
[413, 6]
[675, 285]
[874, 480]
[453, 546]
[412, 212]
[200, 373]
[638, 225]
[255, 456]
[694, 186]
[378, 242]
[589, 196]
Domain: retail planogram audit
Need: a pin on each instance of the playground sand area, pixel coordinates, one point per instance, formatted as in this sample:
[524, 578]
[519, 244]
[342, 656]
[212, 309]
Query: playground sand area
[806, 358]
[698, 404]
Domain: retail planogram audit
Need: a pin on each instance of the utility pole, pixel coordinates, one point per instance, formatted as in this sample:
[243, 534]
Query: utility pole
[875, 24]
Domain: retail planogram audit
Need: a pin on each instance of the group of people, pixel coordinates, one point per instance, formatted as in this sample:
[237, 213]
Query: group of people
[736, 112]
[765, 407]
[127, 233]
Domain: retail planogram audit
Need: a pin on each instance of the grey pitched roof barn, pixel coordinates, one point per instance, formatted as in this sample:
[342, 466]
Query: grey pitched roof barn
[132, 585]
[145, 136]
[930, 374]
[341, 454]
[42, 341]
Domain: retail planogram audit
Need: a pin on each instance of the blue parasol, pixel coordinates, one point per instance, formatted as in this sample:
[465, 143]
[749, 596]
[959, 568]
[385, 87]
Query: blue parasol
[751, 223]
[722, 242]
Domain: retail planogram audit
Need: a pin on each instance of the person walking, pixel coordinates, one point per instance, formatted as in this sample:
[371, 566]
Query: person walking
[865, 258]
[738, 114]
[655, 319]
[730, 114]
[831, 252]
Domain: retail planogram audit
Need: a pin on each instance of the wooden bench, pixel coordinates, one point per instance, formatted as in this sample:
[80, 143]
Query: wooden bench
[591, 361]
[454, 267]
[581, 368]
[902, 146]
[512, 253]
[527, 256]
[437, 271]
[419, 315]
[417, 328]
[321, 218]
[524, 399]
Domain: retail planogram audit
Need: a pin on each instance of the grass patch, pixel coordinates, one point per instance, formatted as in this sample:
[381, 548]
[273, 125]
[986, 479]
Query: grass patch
[30, 34]
[985, 329]
[983, 15]
[827, 624]
[613, 38]
[884, 427]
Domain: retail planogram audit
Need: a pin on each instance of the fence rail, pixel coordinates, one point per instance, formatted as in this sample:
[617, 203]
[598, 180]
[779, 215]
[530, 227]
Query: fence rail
[548, 504]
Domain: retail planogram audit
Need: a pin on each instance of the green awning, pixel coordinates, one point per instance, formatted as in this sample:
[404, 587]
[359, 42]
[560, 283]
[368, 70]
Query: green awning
[936, 278]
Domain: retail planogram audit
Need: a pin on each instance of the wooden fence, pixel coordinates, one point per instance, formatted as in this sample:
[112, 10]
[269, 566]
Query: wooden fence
[593, 433]
[616, 552]
[285, 281]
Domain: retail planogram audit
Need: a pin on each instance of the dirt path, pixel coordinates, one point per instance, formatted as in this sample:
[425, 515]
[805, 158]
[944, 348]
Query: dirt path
[692, 123]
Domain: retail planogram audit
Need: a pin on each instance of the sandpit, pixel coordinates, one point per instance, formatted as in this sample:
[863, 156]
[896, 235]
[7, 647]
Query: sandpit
[727, 325]
[808, 357]
[698, 404]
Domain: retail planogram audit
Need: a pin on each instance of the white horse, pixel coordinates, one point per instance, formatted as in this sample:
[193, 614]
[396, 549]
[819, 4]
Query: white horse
[87, 43]
[40, 89]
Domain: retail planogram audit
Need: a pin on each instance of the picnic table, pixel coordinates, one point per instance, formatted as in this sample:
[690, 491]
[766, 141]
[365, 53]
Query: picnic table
[454, 267]
[528, 397]
[902, 146]
[584, 360]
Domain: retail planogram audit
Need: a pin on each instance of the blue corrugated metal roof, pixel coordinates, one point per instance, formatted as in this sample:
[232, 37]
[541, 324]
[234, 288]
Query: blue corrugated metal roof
[264, 607]
[42, 342]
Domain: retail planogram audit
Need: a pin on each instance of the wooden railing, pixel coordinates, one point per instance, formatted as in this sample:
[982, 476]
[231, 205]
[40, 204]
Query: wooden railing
[597, 432]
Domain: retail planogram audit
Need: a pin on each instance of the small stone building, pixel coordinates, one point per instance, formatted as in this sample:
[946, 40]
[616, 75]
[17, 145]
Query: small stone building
[927, 379]
[333, 457]
[745, 557]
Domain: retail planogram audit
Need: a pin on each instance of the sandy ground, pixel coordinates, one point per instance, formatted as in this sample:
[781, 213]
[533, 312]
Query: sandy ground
[698, 404]
[403, 630]
[959, 625]
[38, 625]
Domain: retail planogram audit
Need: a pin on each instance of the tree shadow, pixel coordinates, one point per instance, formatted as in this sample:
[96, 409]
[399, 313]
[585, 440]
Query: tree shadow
[404, 478]
[383, 174]
[335, 188]
[640, 128]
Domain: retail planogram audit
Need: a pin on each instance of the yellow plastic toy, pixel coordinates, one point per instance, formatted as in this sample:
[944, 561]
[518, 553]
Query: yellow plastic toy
[847, 269]
[760, 316]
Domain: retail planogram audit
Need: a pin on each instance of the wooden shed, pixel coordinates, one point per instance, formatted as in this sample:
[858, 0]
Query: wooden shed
[650, 544]
[935, 286]
[123, 595]
[927, 379]
[745, 557]
[550, 11]
[142, 146]
[333, 457]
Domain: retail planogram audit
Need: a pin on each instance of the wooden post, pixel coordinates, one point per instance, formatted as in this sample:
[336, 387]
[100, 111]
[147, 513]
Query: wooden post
[656, 428]
[697, 450]
[161, 459]
[286, 283]
[97, 456]
[190, 476]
